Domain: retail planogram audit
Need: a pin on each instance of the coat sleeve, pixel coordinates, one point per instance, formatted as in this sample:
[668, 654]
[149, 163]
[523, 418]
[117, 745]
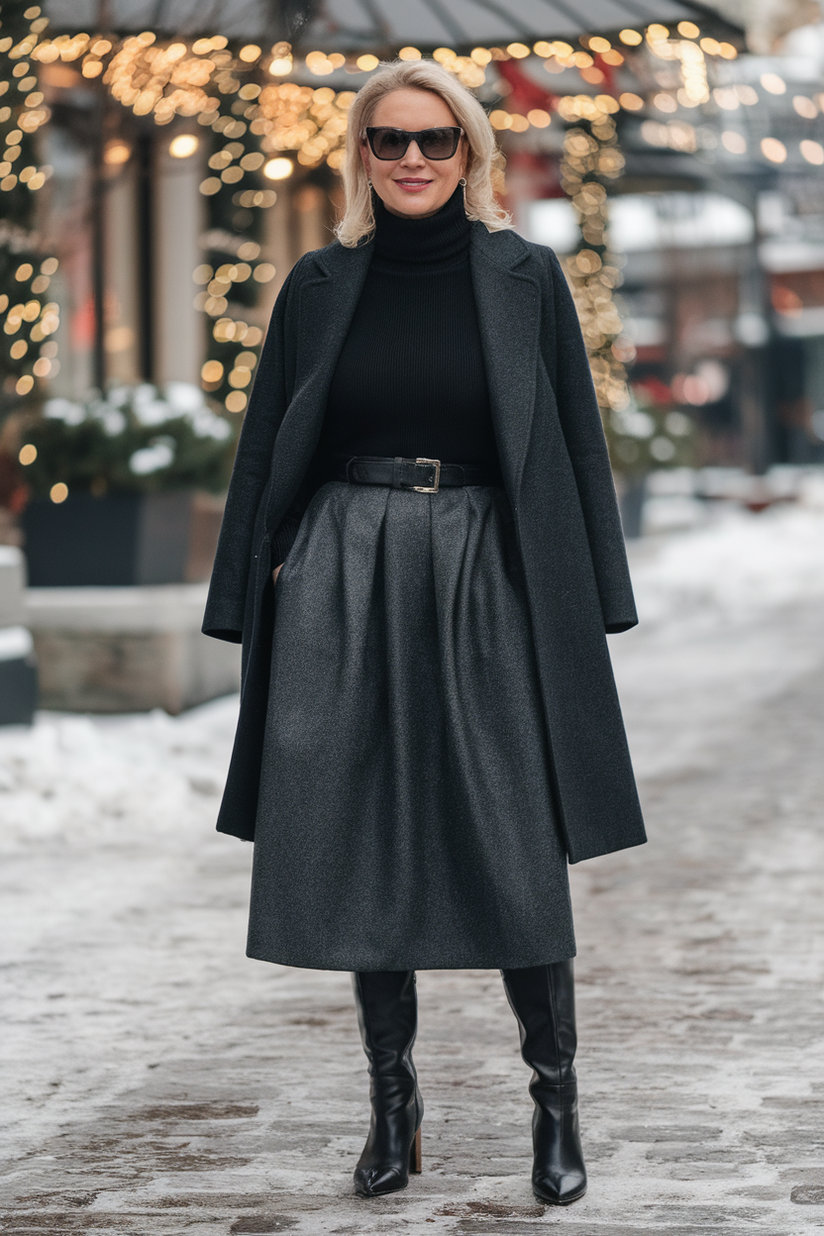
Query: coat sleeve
[566, 360]
[226, 602]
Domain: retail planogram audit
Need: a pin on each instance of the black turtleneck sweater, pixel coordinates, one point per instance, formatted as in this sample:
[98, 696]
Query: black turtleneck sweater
[410, 379]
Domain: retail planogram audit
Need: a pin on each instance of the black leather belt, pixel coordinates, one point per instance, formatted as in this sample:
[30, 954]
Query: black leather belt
[425, 476]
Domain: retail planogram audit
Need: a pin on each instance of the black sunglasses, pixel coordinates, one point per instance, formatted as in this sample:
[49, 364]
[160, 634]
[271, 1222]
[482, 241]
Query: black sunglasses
[389, 143]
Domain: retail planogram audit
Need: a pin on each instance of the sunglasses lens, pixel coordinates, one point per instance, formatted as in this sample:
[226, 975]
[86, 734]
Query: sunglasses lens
[438, 144]
[433, 143]
[389, 143]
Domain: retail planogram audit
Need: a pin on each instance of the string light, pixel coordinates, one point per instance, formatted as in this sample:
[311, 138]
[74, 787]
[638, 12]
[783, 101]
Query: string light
[281, 62]
[805, 107]
[677, 135]
[813, 152]
[116, 152]
[734, 142]
[183, 146]
[27, 321]
[773, 83]
[278, 169]
[773, 149]
[590, 155]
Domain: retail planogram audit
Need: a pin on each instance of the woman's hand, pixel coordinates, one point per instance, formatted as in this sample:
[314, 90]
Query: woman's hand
[275, 573]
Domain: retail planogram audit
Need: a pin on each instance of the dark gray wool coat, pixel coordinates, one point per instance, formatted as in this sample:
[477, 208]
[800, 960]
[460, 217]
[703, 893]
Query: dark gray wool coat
[557, 478]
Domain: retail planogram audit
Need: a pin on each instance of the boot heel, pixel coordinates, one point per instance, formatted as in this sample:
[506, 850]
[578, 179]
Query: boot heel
[415, 1153]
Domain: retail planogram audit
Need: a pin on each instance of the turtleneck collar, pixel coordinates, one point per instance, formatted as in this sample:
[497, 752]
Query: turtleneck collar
[440, 240]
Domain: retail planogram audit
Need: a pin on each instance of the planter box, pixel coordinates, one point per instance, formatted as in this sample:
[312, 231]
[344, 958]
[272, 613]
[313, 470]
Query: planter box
[18, 677]
[127, 649]
[120, 539]
[18, 670]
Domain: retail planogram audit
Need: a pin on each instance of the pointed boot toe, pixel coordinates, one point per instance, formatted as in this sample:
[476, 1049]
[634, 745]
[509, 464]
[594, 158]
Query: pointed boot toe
[377, 1180]
[559, 1190]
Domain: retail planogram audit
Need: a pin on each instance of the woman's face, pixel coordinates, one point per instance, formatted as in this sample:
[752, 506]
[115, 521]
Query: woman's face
[413, 186]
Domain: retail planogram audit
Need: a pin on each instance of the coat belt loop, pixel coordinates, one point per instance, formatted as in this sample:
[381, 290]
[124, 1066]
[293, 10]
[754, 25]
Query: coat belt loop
[397, 465]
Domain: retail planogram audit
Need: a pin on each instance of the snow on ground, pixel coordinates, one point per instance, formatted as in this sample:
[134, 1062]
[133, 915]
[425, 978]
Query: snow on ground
[729, 616]
[81, 778]
[129, 1004]
[731, 569]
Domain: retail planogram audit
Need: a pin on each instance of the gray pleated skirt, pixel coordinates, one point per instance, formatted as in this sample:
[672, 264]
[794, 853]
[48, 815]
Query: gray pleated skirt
[406, 816]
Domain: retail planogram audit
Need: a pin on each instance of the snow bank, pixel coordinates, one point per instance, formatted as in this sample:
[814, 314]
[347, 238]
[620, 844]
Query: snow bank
[732, 569]
[78, 779]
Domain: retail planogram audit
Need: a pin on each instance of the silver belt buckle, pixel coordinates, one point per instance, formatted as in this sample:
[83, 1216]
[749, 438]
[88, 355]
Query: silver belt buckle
[429, 489]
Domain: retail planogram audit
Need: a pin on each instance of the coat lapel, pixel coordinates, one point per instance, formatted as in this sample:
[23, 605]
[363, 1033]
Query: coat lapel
[326, 305]
[508, 304]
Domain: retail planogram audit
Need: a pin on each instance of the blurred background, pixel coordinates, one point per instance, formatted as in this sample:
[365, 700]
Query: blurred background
[166, 162]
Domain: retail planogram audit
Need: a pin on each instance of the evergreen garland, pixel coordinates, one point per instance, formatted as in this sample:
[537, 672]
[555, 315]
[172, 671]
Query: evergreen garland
[140, 439]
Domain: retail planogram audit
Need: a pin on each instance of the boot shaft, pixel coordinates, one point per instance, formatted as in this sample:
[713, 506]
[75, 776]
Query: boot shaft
[387, 1008]
[543, 1001]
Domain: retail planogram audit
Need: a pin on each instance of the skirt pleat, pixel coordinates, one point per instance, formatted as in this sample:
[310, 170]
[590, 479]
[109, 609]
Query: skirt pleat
[406, 817]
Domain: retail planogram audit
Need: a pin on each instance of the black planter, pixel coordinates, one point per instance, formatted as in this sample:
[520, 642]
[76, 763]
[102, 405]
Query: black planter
[18, 690]
[118, 539]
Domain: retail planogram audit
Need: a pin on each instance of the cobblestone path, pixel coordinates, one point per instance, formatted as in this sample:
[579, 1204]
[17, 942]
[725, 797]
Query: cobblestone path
[158, 1082]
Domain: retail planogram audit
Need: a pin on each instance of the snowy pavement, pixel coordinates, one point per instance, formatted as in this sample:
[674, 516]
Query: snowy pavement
[156, 1081]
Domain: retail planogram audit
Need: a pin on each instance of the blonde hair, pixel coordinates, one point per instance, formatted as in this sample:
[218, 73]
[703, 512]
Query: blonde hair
[483, 156]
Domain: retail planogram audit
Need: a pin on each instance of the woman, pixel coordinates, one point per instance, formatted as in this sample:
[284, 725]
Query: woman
[421, 554]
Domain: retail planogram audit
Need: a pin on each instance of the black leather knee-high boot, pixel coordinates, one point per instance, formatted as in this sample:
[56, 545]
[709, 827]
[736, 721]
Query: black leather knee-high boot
[543, 1000]
[388, 1018]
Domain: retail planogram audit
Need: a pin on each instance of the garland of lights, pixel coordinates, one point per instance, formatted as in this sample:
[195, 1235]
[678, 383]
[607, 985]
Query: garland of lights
[258, 122]
[261, 123]
[27, 353]
[641, 433]
[591, 155]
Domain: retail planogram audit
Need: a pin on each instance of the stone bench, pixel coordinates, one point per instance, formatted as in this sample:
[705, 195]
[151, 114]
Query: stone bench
[127, 649]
